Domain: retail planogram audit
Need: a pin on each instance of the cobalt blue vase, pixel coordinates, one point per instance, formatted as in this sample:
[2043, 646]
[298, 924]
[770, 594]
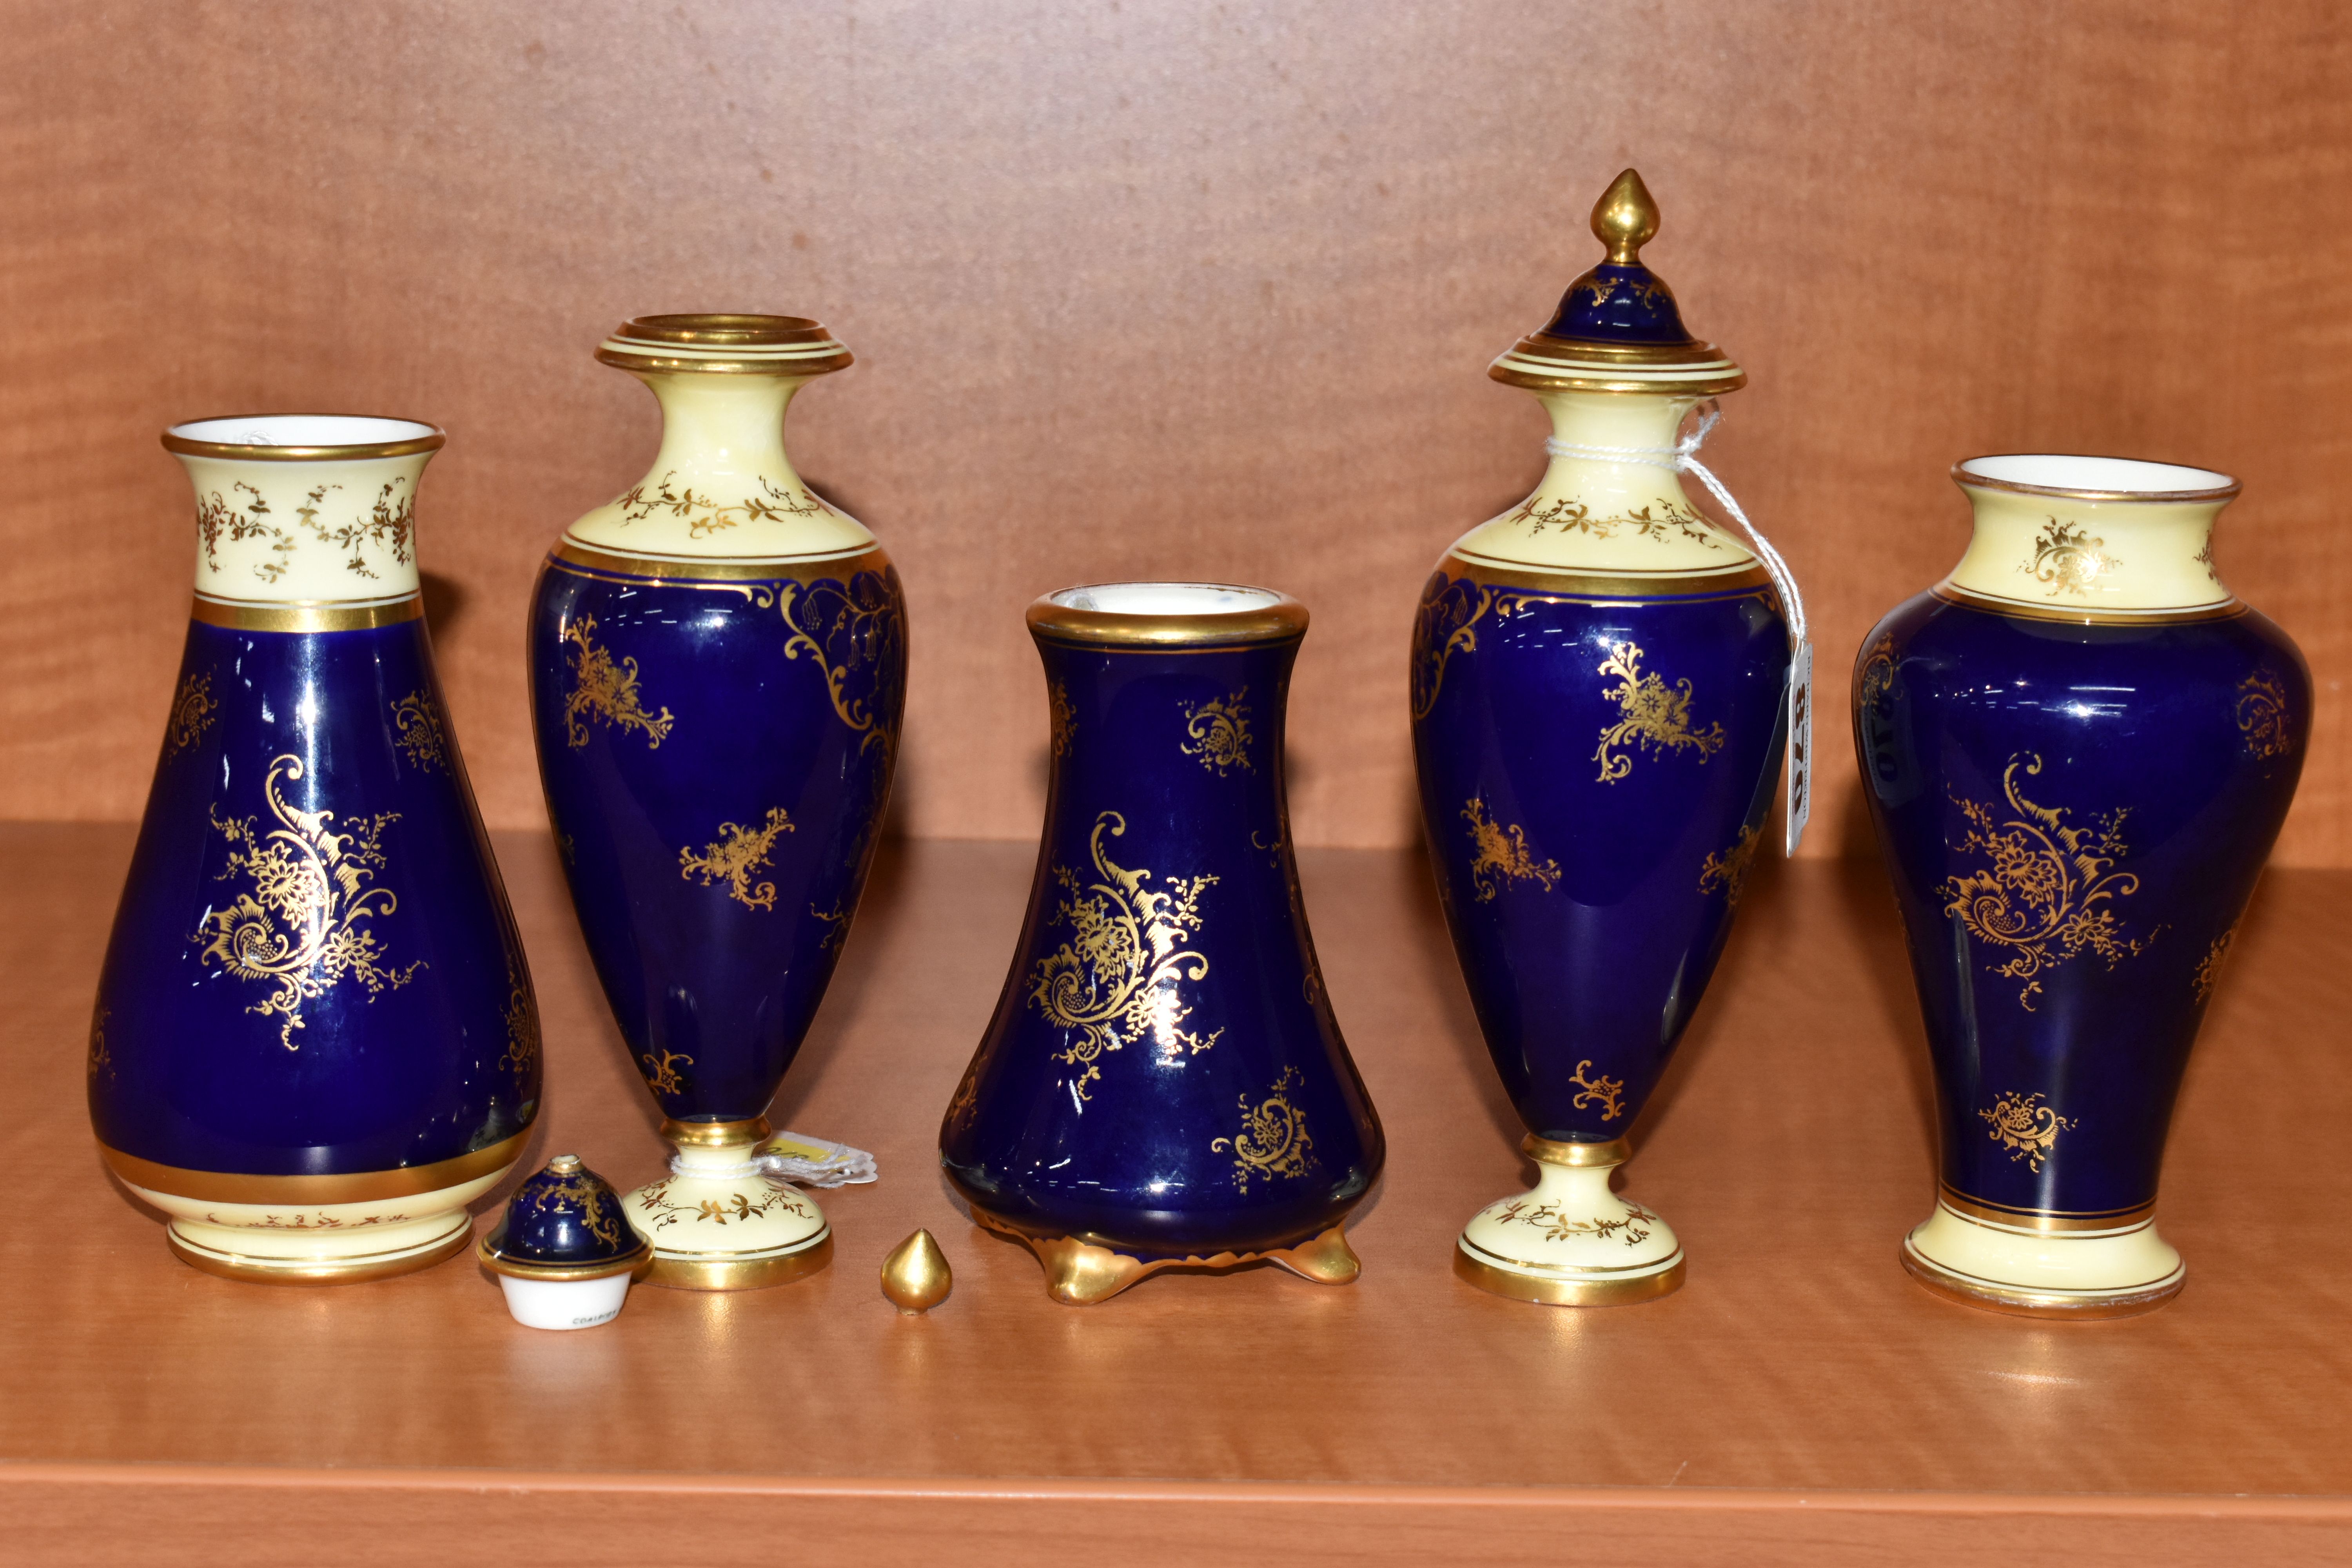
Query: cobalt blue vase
[1163, 1082]
[315, 1040]
[1599, 684]
[2077, 750]
[719, 664]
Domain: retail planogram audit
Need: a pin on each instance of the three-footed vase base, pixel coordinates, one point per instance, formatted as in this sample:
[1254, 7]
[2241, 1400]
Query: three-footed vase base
[1079, 1273]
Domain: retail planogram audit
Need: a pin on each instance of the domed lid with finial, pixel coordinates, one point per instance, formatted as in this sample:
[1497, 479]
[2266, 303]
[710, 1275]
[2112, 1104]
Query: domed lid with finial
[564, 1223]
[1617, 328]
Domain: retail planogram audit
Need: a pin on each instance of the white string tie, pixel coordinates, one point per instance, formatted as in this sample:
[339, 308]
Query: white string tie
[1683, 457]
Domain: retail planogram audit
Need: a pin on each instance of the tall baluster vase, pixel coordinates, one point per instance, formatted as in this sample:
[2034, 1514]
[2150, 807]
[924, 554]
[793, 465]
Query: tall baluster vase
[315, 1041]
[1598, 686]
[2077, 750]
[719, 664]
[1163, 1082]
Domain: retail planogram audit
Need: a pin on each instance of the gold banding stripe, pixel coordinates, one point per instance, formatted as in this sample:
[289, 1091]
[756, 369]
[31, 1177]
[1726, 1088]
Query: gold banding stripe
[725, 345]
[2083, 615]
[636, 1260]
[715, 1271]
[314, 616]
[589, 559]
[359, 1188]
[2049, 1222]
[1966, 480]
[1550, 1152]
[1541, 362]
[1611, 588]
[237, 451]
[717, 1134]
[256, 1271]
[1992, 1295]
[1281, 621]
[1559, 1292]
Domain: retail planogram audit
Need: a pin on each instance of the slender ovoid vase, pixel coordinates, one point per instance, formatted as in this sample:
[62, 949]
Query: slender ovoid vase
[2077, 750]
[1599, 680]
[1163, 1082]
[315, 1040]
[718, 661]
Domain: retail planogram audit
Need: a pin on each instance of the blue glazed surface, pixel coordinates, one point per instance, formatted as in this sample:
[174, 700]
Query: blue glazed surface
[717, 797]
[1590, 886]
[1615, 304]
[1176, 1130]
[2073, 816]
[414, 1038]
[565, 1217]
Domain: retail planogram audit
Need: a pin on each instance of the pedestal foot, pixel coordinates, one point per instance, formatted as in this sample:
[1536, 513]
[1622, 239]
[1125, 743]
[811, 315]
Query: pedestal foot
[1571, 1242]
[2037, 1266]
[1080, 1273]
[718, 1222]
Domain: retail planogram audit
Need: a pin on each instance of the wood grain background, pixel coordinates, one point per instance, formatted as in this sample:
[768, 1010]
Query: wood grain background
[1149, 289]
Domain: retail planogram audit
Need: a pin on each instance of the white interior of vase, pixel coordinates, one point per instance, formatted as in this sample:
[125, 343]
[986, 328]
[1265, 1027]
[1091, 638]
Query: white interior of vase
[302, 430]
[1166, 599]
[2055, 471]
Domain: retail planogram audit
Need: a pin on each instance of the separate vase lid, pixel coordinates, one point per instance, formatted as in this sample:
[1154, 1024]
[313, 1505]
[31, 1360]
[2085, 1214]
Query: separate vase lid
[566, 1223]
[1618, 329]
[726, 344]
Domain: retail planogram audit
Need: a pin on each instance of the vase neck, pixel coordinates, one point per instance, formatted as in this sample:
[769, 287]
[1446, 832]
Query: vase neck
[329, 532]
[1621, 516]
[2091, 560]
[722, 486]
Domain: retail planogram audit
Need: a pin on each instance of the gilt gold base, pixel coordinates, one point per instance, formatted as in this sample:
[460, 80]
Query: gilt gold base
[1080, 1273]
[673, 1272]
[2081, 1307]
[1552, 1292]
[348, 1271]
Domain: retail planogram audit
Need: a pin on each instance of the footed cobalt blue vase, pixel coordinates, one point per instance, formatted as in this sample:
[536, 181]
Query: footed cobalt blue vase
[1163, 1082]
[1599, 684]
[2077, 750]
[315, 1040]
[719, 663]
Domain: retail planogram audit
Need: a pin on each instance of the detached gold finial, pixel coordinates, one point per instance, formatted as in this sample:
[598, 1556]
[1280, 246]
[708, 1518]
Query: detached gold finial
[1626, 219]
[916, 1276]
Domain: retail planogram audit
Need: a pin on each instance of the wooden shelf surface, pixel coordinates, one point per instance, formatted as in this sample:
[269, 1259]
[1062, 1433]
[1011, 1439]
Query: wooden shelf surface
[1800, 1399]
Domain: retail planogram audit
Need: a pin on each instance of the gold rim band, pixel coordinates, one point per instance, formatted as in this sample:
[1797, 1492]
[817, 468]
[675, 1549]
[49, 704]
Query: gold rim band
[2083, 615]
[306, 617]
[1569, 1292]
[255, 1272]
[1987, 1296]
[716, 1134]
[1541, 362]
[1552, 1152]
[2047, 1222]
[711, 1272]
[362, 1187]
[237, 451]
[636, 1260]
[1968, 481]
[1600, 588]
[1284, 620]
[587, 559]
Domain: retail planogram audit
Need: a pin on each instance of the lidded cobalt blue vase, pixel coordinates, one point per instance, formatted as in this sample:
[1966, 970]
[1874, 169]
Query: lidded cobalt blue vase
[1600, 680]
[1163, 1082]
[315, 1040]
[719, 663]
[2077, 750]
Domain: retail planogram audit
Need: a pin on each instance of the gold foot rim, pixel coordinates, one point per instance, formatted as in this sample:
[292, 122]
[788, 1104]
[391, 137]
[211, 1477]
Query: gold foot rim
[1557, 1292]
[1081, 1273]
[318, 1271]
[2016, 1302]
[672, 1272]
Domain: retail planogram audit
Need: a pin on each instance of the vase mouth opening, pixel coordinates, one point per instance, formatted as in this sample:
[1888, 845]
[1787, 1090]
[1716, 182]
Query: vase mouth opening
[302, 438]
[724, 343]
[2093, 479]
[1167, 614]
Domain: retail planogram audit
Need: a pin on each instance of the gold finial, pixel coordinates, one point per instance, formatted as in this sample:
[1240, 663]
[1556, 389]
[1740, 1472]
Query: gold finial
[916, 1276]
[1626, 219]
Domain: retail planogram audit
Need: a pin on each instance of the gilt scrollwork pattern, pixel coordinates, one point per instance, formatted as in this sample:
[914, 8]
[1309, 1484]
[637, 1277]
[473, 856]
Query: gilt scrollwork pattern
[1654, 716]
[738, 853]
[1120, 978]
[390, 523]
[1503, 856]
[1218, 733]
[705, 515]
[1062, 715]
[2044, 891]
[856, 633]
[1274, 1141]
[522, 1057]
[299, 920]
[416, 726]
[194, 712]
[2025, 1127]
[1445, 624]
[606, 688]
[1662, 520]
[579, 1193]
[2068, 559]
[1633, 1227]
[2261, 710]
[1601, 1090]
[1725, 871]
[2209, 968]
[738, 1206]
[661, 1074]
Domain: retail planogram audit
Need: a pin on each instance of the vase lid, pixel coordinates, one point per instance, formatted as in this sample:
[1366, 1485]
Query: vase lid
[566, 1223]
[725, 344]
[1617, 328]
